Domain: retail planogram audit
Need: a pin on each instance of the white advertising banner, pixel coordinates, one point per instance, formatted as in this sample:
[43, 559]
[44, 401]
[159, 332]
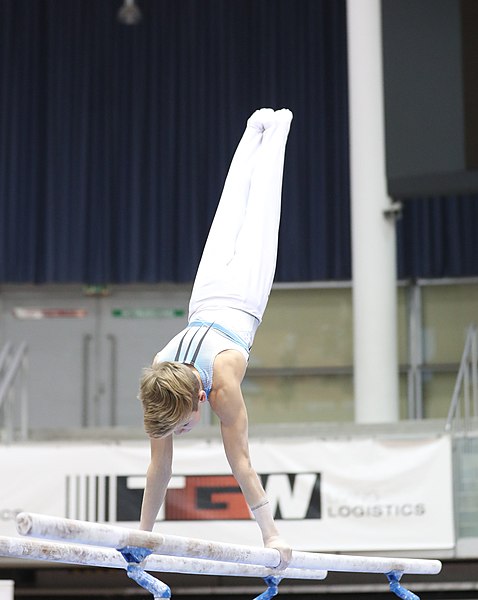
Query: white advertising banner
[329, 496]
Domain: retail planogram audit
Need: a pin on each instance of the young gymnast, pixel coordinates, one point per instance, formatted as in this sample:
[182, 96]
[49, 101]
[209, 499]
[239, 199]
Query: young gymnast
[207, 360]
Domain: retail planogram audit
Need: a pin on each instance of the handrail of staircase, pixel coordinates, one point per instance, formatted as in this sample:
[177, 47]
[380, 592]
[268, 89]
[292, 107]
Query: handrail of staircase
[467, 380]
[15, 365]
[4, 354]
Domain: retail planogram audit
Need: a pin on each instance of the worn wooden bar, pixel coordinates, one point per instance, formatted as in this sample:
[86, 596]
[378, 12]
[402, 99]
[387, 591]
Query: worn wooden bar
[99, 534]
[83, 554]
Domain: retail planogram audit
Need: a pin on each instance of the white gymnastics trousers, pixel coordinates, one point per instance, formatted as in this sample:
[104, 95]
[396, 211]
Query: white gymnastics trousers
[239, 259]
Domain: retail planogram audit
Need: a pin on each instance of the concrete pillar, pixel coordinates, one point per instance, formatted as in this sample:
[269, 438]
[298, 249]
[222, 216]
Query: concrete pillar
[373, 232]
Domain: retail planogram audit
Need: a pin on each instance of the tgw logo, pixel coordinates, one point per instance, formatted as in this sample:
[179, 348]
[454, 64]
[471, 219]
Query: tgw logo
[218, 497]
[193, 497]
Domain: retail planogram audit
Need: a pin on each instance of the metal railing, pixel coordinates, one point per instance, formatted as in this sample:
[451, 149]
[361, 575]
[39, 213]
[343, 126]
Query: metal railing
[13, 391]
[464, 402]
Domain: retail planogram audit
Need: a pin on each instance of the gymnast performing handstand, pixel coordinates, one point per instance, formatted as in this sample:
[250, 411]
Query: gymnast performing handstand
[207, 361]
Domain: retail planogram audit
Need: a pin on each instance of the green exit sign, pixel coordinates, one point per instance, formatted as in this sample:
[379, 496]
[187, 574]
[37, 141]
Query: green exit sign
[148, 313]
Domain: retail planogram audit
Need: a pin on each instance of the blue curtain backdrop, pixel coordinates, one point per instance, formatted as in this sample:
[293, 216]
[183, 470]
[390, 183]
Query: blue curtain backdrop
[437, 237]
[115, 140]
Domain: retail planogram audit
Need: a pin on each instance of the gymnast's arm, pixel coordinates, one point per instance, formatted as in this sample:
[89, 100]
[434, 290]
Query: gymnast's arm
[228, 403]
[157, 479]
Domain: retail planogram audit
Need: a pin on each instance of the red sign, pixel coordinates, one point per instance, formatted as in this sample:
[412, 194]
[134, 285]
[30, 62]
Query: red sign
[207, 497]
[30, 312]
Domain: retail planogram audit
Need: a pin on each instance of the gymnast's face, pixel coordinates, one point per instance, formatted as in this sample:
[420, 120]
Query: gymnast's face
[193, 419]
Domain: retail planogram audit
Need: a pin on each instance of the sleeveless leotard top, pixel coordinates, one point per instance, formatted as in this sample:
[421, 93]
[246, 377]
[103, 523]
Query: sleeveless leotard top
[199, 344]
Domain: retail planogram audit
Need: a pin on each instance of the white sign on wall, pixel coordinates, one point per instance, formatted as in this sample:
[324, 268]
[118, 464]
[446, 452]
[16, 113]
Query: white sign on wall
[355, 495]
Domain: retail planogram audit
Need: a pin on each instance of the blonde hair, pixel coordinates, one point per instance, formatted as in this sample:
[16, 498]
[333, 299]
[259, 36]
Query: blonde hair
[169, 392]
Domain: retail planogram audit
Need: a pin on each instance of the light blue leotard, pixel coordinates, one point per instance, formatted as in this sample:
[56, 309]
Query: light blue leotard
[199, 344]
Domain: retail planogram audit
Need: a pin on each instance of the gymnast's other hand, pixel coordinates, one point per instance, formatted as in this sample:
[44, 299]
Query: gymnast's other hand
[284, 549]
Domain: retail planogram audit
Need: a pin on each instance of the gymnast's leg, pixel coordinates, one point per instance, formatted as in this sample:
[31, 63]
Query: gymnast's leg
[238, 262]
[254, 263]
[221, 242]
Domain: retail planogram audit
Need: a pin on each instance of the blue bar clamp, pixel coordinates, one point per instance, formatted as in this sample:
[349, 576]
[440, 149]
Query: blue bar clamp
[395, 587]
[134, 556]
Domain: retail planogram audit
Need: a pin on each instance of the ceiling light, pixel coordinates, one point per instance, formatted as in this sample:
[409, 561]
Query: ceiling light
[129, 13]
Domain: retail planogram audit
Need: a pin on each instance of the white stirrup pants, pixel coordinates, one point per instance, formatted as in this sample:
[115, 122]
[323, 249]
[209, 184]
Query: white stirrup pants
[239, 259]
